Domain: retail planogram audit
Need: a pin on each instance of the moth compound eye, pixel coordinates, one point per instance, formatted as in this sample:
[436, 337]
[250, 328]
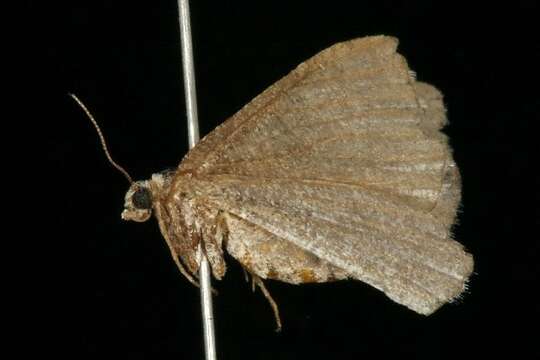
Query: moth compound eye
[142, 199]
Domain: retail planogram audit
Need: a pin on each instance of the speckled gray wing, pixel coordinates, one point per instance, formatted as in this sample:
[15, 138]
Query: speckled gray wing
[343, 158]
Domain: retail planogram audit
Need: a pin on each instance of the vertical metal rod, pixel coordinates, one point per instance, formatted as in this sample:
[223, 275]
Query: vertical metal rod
[189, 72]
[193, 135]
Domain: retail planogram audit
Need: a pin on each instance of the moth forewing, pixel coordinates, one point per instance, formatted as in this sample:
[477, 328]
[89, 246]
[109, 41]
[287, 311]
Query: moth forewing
[338, 170]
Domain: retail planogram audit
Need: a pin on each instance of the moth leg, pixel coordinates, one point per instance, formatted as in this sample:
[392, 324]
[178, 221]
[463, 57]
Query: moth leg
[255, 280]
[205, 253]
[246, 275]
[212, 239]
[181, 267]
[164, 232]
[183, 271]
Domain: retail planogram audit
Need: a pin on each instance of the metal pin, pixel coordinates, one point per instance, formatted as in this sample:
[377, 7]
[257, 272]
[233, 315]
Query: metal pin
[193, 135]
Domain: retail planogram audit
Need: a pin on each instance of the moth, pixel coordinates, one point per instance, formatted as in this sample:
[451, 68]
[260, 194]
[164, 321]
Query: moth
[337, 171]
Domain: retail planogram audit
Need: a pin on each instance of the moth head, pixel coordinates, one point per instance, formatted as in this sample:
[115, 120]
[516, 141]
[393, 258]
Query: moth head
[138, 202]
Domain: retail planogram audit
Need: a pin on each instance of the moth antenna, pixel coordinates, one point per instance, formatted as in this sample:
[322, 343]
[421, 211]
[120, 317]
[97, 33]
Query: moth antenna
[101, 137]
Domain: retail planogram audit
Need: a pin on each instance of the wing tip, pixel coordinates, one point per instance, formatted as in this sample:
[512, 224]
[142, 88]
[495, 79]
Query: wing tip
[454, 296]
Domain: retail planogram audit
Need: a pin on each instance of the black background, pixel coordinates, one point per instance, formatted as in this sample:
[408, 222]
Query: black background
[116, 291]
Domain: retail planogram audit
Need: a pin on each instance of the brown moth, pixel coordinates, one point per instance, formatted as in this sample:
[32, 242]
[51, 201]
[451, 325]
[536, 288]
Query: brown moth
[337, 171]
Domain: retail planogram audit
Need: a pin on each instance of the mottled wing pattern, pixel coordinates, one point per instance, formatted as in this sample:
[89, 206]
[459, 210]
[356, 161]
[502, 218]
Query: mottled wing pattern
[343, 158]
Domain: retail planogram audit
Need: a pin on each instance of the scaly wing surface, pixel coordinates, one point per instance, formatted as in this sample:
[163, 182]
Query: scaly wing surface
[343, 157]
